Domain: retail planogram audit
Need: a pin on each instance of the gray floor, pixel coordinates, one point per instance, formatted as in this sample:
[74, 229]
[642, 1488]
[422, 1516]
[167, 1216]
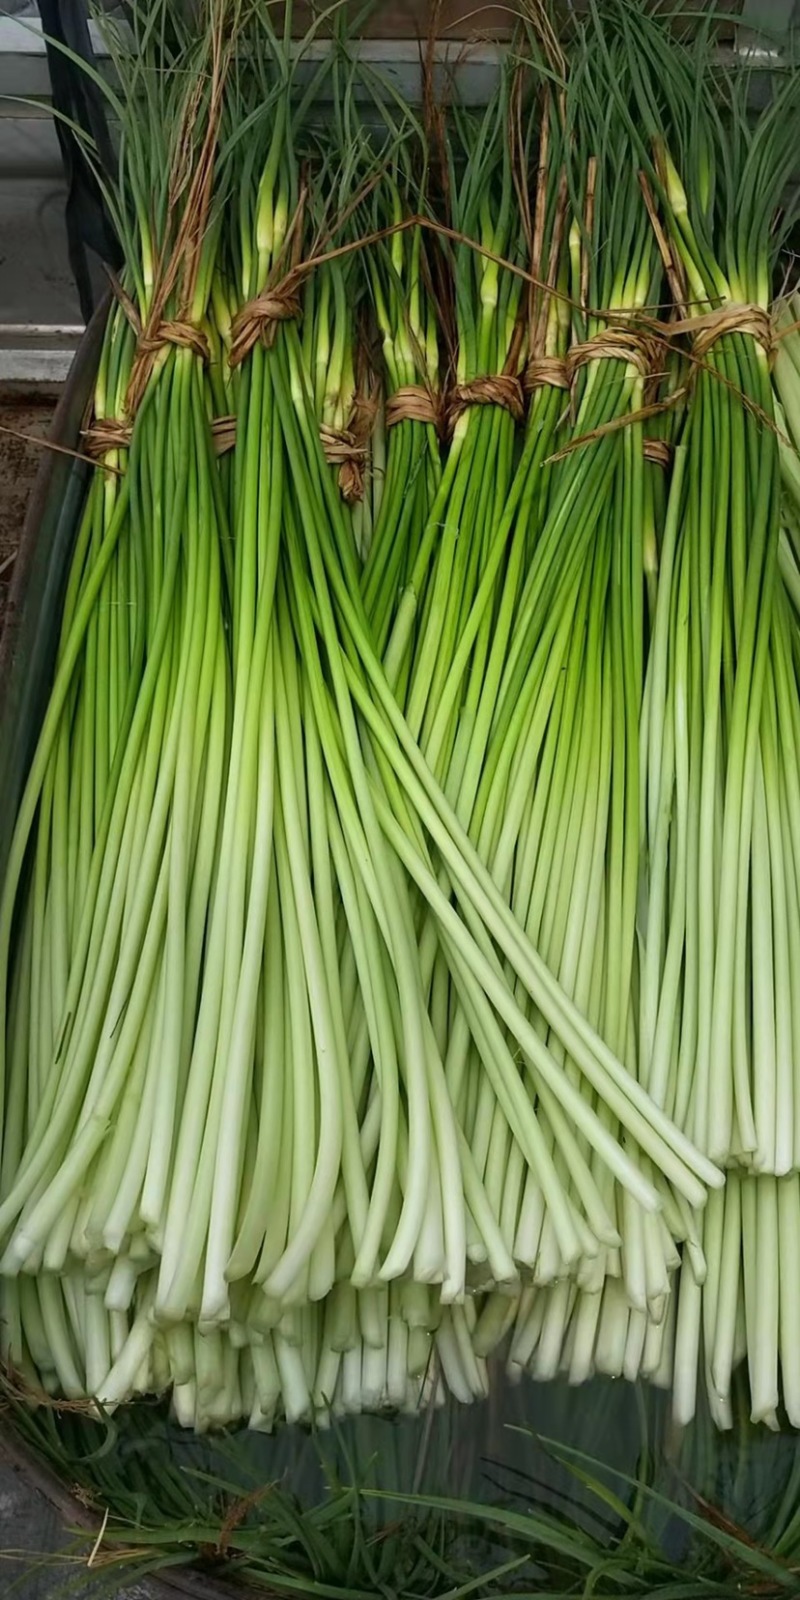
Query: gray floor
[36, 287]
[31, 1534]
[35, 280]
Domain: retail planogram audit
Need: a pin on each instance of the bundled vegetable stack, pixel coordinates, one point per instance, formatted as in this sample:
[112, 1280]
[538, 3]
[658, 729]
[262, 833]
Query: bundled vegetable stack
[398, 931]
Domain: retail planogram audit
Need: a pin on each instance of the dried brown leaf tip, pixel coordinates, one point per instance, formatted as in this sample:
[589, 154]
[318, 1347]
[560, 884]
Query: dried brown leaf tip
[193, 176]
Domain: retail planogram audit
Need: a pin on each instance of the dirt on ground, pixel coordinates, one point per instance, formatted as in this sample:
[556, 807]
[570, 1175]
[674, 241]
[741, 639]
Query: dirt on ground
[25, 417]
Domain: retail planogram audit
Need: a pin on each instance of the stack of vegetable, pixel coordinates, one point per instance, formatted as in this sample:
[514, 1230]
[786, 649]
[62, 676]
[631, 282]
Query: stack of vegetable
[398, 933]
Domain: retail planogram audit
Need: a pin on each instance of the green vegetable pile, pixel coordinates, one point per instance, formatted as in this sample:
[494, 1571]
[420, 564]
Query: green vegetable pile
[400, 933]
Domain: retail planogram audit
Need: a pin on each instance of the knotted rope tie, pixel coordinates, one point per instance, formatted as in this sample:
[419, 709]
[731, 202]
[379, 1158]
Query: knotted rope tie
[343, 450]
[658, 451]
[545, 372]
[104, 435]
[260, 317]
[613, 344]
[223, 434]
[347, 448]
[413, 403]
[152, 340]
[498, 389]
[710, 326]
[174, 330]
